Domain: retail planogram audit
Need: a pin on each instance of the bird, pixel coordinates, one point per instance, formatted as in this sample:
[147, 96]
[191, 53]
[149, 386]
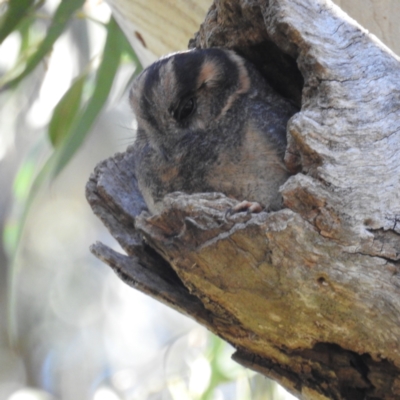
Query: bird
[208, 121]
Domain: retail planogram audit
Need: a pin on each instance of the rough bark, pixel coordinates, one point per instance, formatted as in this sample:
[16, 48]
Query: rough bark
[308, 295]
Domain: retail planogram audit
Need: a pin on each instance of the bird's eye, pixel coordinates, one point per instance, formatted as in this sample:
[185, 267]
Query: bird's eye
[185, 109]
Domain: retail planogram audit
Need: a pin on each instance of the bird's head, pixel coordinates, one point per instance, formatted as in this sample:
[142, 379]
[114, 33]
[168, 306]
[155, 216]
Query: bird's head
[187, 94]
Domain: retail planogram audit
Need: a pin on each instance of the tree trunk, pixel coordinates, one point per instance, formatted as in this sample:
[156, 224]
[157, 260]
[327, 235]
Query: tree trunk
[308, 295]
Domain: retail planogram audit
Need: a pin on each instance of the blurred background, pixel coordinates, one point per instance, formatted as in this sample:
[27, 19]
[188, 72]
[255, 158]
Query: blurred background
[69, 328]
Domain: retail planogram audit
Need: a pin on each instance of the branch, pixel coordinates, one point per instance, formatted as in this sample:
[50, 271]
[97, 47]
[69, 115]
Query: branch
[309, 295]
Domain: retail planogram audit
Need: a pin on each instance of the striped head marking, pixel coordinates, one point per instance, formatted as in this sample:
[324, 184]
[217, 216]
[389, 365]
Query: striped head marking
[185, 94]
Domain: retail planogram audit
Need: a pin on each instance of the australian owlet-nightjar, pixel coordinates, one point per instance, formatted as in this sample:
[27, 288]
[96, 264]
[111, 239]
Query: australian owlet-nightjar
[209, 122]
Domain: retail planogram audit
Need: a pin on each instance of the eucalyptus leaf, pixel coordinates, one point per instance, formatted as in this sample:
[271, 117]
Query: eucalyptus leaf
[104, 80]
[68, 128]
[17, 10]
[70, 125]
[65, 112]
[59, 22]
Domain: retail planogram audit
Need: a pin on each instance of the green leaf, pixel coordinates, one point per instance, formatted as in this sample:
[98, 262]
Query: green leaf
[24, 29]
[67, 130]
[60, 19]
[104, 80]
[65, 112]
[17, 10]
[69, 126]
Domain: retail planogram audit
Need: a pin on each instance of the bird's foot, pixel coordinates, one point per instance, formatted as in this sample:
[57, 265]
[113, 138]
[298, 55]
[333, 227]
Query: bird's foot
[245, 206]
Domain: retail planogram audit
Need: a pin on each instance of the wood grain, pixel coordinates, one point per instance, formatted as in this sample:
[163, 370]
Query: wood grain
[309, 295]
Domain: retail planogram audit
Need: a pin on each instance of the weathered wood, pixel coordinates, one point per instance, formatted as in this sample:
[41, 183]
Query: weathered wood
[158, 27]
[309, 295]
[380, 17]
